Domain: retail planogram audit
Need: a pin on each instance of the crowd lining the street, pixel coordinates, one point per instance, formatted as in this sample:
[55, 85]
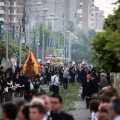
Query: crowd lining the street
[97, 90]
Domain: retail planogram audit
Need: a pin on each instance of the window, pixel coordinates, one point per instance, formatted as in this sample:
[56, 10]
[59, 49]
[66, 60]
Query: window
[1, 15]
[1, 0]
[75, 15]
[63, 22]
[63, 15]
[1, 7]
[92, 5]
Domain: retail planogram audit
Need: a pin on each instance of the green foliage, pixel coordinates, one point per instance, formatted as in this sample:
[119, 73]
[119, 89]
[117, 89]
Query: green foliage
[48, 33]
[13, 51]
[69, 96]
[82, 48]
[106, 44]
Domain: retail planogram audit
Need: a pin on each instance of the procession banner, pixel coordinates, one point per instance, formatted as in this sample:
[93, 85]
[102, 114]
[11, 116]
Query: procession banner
[31, 67]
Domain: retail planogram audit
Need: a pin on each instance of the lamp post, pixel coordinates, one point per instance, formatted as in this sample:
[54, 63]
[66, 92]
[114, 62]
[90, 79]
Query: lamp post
[43, 35]
[38, 3]
[20, 59]
[29, 41]
[7, 27]
[52, 18]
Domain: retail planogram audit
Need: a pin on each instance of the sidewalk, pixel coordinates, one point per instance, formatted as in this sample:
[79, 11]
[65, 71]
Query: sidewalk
[81, 113]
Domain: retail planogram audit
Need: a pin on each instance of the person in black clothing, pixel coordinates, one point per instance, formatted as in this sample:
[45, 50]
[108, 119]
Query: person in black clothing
[51, 115]
[9, 111]
[83, 75]
[94, 84]
[5, 86]
[1, 88]
[87, 90]
[17, 85]
[48, 76]
[10, 86]
[61, 76]
[28, 87]
[79, 74]
[22, 83]
[97, 77]
[56, 105]
[73, 76]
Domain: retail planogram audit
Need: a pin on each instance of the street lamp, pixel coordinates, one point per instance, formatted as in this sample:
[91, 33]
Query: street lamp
[38, 3]
[7, 18]
[45, 10]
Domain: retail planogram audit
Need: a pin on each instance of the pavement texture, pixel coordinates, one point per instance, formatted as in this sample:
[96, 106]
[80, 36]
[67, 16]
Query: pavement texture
[81, 113]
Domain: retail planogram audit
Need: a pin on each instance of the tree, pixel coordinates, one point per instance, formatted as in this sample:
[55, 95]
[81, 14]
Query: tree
[106, 44]
[48, 34]
[13, 51]
[82, 48]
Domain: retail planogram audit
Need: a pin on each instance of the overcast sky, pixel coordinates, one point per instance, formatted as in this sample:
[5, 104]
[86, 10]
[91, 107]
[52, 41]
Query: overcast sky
[105, 5]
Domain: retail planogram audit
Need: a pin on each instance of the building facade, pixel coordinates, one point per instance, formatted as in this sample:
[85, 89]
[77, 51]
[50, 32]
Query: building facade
[2, 10]
[13, 11]
[72, 14]
[85, 15]
[98, 19]
[65, 10]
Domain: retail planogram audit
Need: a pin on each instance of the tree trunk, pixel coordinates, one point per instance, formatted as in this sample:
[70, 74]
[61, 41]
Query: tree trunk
[116, 80]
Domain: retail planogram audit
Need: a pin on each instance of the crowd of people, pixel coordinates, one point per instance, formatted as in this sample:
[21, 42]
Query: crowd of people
[97, 90]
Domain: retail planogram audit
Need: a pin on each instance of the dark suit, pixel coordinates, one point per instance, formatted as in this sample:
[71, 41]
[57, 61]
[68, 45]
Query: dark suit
[66, 116]
[54, 116]
[94, 86]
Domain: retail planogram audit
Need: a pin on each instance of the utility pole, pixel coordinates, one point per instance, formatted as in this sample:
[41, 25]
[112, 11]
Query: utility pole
[43, 45]
[7, 27]
[39, 35]
[69, 53]
[29, 41]
[20, 61]
[64, 48]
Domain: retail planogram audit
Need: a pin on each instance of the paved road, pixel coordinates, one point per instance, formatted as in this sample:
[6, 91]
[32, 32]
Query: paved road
[81, 112]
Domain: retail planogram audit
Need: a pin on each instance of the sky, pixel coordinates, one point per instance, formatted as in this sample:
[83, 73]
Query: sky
[106, 6]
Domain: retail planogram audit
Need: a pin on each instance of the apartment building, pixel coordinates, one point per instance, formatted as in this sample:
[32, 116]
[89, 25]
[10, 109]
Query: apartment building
[98, 19]
[85, 15]
[65, 10]
[1, 10]
[13, 11]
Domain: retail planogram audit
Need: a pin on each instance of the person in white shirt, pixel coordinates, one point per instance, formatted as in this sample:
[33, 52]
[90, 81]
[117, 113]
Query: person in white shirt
[55, 83]
[114, 110]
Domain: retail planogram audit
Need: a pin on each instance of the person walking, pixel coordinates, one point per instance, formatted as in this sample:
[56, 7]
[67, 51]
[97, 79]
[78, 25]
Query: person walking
[48, 76]
[65, 78]
[55, 83]
[73, 76]
[87, 90]
[103, 81]
[61, 75]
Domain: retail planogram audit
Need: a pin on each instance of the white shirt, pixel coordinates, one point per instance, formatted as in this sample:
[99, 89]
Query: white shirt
[31, 86]
[117, 118]
[46, 116]
[55, 80]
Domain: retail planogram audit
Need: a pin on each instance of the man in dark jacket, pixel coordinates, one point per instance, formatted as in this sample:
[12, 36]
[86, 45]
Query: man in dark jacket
[94, 84]
[50, 115]
[56, 104]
